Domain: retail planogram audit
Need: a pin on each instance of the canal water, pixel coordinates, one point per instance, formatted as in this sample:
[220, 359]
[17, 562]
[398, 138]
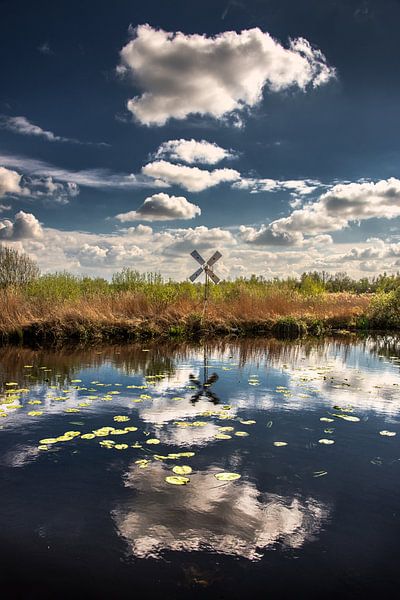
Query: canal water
[261, 468]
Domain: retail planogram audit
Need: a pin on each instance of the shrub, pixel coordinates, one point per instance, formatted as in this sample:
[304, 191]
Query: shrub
[16, 268]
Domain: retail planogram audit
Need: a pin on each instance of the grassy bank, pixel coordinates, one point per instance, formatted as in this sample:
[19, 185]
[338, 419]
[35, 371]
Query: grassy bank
[171, 311]
[61, 307]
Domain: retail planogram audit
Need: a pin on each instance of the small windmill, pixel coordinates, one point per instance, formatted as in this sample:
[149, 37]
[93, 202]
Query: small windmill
[206, 268]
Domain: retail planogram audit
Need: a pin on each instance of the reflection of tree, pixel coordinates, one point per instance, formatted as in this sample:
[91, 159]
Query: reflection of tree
[232, 519]
[163, 358]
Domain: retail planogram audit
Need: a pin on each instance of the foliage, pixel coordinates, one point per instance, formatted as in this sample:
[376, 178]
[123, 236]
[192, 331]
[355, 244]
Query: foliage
[16, 268]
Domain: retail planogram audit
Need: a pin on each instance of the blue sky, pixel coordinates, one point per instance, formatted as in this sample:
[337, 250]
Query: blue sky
[132, 133]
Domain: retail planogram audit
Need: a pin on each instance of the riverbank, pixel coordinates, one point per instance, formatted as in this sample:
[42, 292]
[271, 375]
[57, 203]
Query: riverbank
[129, 316]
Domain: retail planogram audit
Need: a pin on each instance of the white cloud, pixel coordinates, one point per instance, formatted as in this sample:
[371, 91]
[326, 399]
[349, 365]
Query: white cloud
[334, 210]
[162, 207]
[94, 178]
[23, 126]
[9, 182]
[192, 179]
[300, 187]
[106, 254]
[193, 151]
[271, 236]
[25, 226]
[183, 74]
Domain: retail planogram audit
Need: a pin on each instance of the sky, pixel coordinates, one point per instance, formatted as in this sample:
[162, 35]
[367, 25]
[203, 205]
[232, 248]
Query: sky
[133, 133]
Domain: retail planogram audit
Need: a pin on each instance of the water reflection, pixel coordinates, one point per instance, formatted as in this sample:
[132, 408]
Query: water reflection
[231, 518]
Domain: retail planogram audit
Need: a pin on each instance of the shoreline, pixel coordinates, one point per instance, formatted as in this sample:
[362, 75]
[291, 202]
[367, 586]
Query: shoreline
[91, 332]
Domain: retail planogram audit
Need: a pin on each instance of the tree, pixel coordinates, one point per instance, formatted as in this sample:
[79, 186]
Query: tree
[16, 268]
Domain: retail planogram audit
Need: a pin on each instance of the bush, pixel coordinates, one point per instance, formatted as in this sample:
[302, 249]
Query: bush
[16, 268]
[385, 310]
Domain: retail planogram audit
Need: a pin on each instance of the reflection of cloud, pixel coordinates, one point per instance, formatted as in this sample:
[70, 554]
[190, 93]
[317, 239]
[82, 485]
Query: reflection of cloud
[231, 519]
[19, 456]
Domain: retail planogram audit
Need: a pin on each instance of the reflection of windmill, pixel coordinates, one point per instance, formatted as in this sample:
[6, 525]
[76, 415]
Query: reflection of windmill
[203, 387]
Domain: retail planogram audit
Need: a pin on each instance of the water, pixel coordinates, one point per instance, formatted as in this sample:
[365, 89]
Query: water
[303, 519]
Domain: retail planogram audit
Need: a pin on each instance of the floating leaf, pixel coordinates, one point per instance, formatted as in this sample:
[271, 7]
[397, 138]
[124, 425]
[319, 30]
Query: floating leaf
[249, 422]
[121, 418]
[227, 476]
[327, 420]
[177, 480]
[326, 441]
[88, 436]
[387, 433]
[347, 418]
[182, 469]
[35, 413]
[153, 441]
[223, 436]
[43, 447]
[131, 428]
[278, 444]
[121, 446]
[241, 433]
[118, 432]
[47, 441]
[226, 428]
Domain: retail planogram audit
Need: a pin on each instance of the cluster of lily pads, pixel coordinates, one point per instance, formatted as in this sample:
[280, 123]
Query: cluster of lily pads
[13, 393]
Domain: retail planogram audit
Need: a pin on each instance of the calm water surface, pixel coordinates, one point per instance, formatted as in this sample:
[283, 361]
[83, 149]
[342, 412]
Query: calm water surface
[305, 518]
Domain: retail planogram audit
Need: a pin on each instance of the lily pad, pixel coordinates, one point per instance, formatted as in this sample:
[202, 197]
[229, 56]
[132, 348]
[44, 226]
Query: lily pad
[177, 480]
[182, 469]
[227, 476]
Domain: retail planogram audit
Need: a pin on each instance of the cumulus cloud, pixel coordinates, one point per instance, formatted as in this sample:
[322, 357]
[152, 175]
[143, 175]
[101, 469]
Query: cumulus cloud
[193, 151]
[183, 74]
[106, 254]
[192, 179]
[185, 240]
[270, 236]
[25, 226]
[162, 207]
[334, 210]
[23, 126]
[9, 182]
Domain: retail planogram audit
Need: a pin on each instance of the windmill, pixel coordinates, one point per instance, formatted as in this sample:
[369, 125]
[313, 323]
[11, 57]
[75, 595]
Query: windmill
[206, 268]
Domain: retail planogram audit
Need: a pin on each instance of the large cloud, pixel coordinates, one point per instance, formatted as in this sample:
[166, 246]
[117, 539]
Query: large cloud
[192, 179]
[193, 151]
[162, 207]
[25, 226]
[9, 182]
[335, 210]
[195, 74]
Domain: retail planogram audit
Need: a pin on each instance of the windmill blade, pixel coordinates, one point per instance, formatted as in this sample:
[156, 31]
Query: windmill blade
[216, 256]
[196, 274]
[212, 275]
[197, 257]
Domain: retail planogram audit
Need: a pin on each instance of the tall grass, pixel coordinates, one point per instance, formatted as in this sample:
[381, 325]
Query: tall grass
[62, 302]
